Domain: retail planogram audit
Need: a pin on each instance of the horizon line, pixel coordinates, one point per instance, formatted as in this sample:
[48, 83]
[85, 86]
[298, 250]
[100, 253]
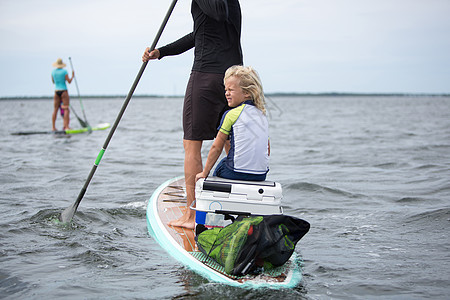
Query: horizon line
[276, 94]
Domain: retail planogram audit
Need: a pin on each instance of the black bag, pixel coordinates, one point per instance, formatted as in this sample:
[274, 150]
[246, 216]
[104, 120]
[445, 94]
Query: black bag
[252, 242]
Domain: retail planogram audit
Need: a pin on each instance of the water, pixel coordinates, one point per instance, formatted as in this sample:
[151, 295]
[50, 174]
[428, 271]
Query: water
[371, 175]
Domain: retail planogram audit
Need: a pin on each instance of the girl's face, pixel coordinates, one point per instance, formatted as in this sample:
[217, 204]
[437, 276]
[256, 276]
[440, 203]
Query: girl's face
[234, 93]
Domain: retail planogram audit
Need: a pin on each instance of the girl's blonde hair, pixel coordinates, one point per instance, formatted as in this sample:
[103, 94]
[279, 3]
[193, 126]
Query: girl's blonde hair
[250, 83]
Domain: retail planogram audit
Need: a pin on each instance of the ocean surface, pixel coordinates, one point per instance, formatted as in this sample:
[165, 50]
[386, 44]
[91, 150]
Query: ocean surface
[370, 174]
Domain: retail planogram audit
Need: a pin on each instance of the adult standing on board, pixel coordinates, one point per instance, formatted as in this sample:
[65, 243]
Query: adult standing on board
[216, 42]
[61, 97]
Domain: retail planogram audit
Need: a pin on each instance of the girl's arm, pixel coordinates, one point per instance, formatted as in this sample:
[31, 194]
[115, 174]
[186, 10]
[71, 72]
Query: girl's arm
[213, 155]
[227, 146]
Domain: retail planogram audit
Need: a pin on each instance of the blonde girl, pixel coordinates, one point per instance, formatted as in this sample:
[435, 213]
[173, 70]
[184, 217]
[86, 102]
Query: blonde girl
[246, 128]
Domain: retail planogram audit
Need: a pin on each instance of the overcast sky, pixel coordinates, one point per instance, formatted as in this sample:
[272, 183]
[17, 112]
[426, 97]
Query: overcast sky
[366, 46]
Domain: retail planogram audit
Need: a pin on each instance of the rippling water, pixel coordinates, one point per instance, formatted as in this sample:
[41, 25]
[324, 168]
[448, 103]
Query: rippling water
[371, 175]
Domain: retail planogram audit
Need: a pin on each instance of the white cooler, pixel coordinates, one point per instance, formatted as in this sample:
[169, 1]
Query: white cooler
[216, 197]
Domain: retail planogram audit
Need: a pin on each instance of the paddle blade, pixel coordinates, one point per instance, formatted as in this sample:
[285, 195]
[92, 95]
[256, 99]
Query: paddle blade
[83, 123]
[67, 215]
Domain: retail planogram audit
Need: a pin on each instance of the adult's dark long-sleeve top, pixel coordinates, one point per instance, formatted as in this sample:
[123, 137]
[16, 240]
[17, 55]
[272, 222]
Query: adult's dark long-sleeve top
[216, 37]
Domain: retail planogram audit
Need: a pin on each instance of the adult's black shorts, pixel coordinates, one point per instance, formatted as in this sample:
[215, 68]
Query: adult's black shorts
[204, 105]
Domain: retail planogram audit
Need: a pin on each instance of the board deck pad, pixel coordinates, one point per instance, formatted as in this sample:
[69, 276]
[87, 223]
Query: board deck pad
[168, 203]
[274, 274]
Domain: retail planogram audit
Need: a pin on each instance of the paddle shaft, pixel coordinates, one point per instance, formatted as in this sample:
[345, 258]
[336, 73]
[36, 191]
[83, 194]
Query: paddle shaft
[67, 214]
[78, 91]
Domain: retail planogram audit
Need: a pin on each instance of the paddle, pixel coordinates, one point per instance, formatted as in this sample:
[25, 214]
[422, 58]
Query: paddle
[84, 123]
[67, 214]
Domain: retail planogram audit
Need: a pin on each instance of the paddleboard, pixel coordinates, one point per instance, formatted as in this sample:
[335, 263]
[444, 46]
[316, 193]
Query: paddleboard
[101, 126]
[167, 203]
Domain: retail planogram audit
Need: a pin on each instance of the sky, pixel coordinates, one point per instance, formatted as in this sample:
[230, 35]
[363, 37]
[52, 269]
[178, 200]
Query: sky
[297, 46]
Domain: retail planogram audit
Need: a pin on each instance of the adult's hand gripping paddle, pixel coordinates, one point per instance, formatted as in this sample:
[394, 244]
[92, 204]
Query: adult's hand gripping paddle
[67, 214]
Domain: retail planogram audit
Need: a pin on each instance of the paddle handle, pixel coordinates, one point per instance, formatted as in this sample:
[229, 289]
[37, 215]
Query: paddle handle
[74, 77]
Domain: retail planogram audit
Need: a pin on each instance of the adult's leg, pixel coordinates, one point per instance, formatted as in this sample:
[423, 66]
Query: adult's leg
[65, 106]
[203, 103]
[192, 166]
[56, 104]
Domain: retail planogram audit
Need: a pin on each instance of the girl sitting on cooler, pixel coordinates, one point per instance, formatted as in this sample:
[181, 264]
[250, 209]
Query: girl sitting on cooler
[245, 126]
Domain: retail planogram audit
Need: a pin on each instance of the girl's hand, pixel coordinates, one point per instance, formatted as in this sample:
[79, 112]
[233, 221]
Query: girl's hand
[200, 175]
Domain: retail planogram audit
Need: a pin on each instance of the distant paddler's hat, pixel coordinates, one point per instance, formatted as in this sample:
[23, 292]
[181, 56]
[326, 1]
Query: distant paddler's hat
[59, 63]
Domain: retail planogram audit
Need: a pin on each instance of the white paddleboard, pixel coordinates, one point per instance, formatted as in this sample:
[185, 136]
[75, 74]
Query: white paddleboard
[167, 203]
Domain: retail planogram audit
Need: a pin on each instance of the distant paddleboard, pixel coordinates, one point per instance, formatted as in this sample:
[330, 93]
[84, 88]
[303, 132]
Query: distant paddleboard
[101, 126]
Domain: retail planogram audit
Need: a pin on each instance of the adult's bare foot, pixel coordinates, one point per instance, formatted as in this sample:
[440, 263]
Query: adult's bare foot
[189, 224]
[178, 221]
[184, 222]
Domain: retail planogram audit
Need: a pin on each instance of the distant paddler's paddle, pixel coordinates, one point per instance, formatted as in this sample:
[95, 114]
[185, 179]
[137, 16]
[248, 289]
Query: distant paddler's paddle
[67, 214]
[84, 123]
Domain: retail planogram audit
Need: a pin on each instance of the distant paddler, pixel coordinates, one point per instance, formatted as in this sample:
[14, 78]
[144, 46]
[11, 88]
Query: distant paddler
[61, 97]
